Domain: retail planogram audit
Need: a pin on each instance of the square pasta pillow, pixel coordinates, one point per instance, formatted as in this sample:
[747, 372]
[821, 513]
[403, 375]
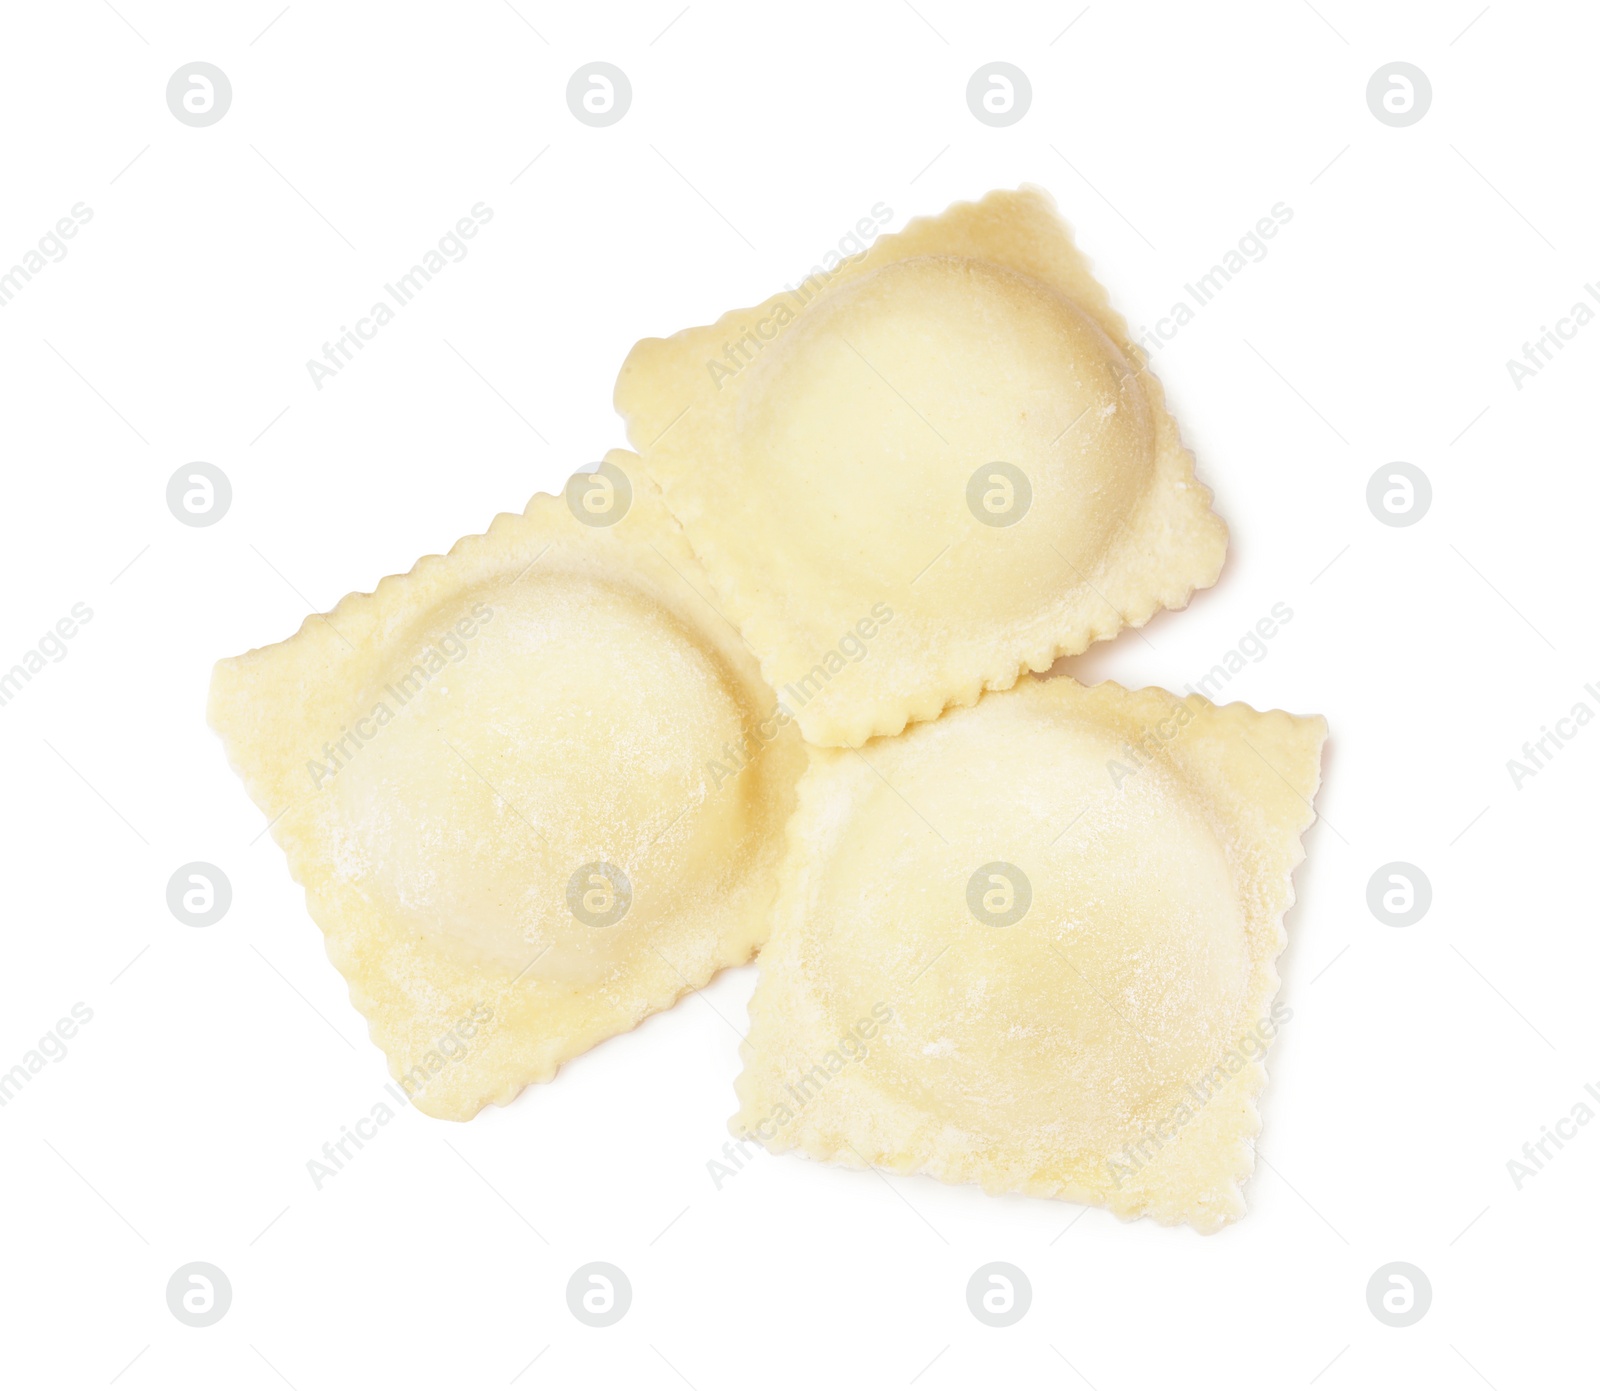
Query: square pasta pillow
[937, 466]
[535, 789]
[1032, 945]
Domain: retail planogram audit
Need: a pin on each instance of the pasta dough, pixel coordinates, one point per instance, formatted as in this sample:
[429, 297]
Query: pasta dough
[534, 789]
[1031, 945]
[937, 466]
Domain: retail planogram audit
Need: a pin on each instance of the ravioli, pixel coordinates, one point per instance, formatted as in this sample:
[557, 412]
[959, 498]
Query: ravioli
[929, 469]
[534, 789]
[1032, 945]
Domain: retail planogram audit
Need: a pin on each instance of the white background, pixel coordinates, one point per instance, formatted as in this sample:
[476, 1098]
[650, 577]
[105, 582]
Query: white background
[177, 328]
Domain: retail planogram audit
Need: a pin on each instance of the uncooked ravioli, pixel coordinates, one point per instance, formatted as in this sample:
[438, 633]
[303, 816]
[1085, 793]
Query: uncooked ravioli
[1031, 945]
[914, 477]
[534, 789]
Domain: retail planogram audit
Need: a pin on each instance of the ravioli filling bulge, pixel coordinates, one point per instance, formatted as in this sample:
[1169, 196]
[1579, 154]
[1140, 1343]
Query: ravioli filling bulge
[577, 731]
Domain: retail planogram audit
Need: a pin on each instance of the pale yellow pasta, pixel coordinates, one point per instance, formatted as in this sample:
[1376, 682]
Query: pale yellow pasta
[922, 472]
[534, 789]
[1032, 945]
